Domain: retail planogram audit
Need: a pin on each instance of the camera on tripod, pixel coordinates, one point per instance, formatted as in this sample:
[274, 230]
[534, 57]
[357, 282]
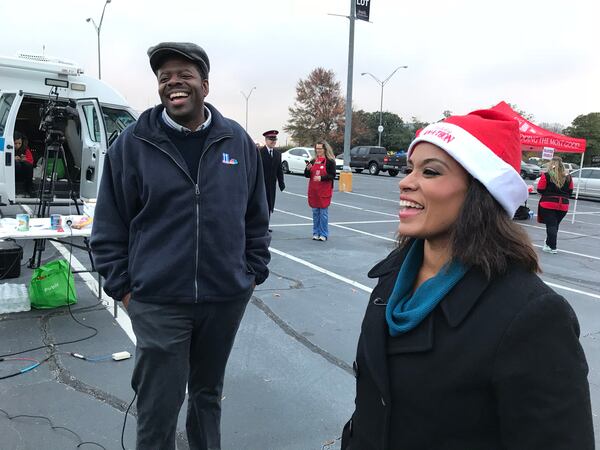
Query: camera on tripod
[54, 117]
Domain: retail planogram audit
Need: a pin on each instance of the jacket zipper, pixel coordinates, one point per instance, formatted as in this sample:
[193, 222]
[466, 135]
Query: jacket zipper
[197, 192]
[198, 211]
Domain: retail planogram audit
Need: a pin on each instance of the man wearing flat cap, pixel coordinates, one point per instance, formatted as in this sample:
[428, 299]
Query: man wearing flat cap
[180, 236]
[271, 160]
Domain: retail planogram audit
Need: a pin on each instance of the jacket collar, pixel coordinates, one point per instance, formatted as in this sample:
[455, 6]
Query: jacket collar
[458, 302]
[148, 128]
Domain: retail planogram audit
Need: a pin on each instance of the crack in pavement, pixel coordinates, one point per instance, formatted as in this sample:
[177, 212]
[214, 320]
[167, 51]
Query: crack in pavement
[65, 377]
[287, 329]
[296, 284]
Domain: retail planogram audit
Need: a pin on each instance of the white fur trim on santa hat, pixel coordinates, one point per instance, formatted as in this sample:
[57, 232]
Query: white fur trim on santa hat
[500, 178]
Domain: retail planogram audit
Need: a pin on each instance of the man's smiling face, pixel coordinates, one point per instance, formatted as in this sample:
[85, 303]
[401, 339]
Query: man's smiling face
[182, 91]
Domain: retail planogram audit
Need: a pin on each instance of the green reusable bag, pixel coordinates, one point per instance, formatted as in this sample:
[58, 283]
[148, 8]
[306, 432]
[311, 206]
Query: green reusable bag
[52, 285]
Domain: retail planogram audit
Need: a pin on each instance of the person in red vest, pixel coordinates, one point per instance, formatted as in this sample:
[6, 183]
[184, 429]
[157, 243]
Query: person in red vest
[321, 173]
[23, 162]
[555, 186]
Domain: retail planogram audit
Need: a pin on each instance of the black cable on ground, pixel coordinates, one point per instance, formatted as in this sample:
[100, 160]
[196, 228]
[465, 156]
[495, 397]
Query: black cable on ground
[125, 422]
[54, 427]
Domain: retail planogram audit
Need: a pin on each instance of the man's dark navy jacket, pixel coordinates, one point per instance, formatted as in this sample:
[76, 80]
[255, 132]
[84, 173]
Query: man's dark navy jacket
[168, 236]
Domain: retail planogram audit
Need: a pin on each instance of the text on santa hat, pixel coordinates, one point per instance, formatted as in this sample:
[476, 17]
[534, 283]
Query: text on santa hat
[442, 134]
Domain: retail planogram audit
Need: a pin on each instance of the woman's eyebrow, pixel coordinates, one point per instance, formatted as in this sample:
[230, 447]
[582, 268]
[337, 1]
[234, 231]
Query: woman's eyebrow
[430, 160]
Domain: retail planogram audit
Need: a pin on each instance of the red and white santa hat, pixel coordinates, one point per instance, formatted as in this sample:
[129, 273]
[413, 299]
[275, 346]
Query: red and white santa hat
[486, 143]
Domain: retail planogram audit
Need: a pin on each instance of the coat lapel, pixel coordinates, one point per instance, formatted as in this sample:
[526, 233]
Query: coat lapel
[462, 298]
[374, 328]
[377, 346]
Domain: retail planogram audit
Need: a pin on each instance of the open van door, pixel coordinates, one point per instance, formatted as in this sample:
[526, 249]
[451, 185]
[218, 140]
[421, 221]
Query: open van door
[9, 107]
[94, 146]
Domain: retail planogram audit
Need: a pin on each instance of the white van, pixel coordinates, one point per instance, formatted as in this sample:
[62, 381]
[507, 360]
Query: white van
[101, 114]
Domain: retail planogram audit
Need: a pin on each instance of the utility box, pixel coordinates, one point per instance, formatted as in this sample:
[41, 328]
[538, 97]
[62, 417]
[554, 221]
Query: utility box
[11, 254]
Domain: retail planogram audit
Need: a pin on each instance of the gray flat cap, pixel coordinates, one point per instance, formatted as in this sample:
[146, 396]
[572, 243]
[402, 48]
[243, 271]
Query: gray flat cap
[193, 52]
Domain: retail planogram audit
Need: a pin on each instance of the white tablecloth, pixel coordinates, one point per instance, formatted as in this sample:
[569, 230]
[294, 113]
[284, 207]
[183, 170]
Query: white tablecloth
[40, 229]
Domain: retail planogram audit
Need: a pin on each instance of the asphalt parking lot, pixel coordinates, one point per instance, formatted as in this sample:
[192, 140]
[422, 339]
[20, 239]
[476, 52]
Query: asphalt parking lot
[289, 384]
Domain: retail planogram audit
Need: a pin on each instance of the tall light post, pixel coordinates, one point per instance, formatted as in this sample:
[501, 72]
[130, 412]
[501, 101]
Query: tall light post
[98, 28]
[247, 97]
[382, 84]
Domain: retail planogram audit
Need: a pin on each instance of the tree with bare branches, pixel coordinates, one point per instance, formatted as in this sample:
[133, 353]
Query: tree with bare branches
[318, 112]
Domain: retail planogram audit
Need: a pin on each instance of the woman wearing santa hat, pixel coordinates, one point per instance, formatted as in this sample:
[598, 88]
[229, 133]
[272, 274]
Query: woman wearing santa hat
[463, 346]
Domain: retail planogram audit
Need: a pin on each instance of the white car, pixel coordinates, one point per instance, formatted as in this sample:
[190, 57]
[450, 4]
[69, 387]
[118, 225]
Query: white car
[590, 182]
[295, 159]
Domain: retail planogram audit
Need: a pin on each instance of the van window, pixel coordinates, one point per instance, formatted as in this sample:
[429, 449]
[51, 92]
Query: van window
[6, 102]
[116, 119]
[93, 126]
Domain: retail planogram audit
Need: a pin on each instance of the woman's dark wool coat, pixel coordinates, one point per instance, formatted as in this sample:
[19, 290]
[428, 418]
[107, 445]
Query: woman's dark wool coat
[496, 366]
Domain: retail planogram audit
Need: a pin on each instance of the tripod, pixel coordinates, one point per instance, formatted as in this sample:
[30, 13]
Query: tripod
[54, 152]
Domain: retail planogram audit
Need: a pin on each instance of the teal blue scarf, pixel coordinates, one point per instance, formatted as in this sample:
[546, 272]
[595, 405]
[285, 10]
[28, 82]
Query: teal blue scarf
[404, 310]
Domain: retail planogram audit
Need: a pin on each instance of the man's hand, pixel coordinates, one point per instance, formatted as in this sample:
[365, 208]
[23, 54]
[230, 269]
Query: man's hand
[282, 186]
[125, 300]
[317, 178]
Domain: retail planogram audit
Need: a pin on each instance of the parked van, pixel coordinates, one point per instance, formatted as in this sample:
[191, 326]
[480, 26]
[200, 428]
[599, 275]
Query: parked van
[26, 82]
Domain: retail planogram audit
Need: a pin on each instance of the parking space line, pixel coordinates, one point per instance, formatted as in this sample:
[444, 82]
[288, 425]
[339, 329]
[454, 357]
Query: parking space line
[322, 270]
[122, 317]
[304, 224]
[346, 206]
[371, 196]
[565, 288]
[560, 231]
[339, 226]
[369, 290]
[570, 252]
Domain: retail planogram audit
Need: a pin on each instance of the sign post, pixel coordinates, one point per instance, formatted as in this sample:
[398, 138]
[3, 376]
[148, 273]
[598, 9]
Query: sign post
[363, 8]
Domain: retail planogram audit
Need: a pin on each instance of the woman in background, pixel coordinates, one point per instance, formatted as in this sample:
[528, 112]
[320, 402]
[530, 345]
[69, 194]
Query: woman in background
[23, 162]
[555, 186]
[321, 173]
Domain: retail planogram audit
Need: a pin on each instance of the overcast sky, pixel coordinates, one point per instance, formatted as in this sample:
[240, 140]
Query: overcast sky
[462, 55]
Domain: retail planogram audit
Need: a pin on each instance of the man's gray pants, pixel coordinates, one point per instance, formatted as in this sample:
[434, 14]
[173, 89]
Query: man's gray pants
[179, 344]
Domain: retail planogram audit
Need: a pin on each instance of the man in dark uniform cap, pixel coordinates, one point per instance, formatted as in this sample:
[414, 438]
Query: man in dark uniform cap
[271, 161]
[180, 236]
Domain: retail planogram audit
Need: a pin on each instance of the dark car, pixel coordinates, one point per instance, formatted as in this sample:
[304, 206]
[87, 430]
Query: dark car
[367, 157]
[395, 163]
[530, 171]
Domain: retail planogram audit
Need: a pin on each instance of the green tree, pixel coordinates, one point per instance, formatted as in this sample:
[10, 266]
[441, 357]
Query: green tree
[396, 134]
[587, 126]
[318, 112]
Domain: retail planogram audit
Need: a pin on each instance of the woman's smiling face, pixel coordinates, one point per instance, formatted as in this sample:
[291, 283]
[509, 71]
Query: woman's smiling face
[432, 194]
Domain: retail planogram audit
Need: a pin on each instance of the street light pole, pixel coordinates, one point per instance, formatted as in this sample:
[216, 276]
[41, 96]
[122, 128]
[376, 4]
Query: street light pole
[382, 84]
[98, 28]
[247, 97]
